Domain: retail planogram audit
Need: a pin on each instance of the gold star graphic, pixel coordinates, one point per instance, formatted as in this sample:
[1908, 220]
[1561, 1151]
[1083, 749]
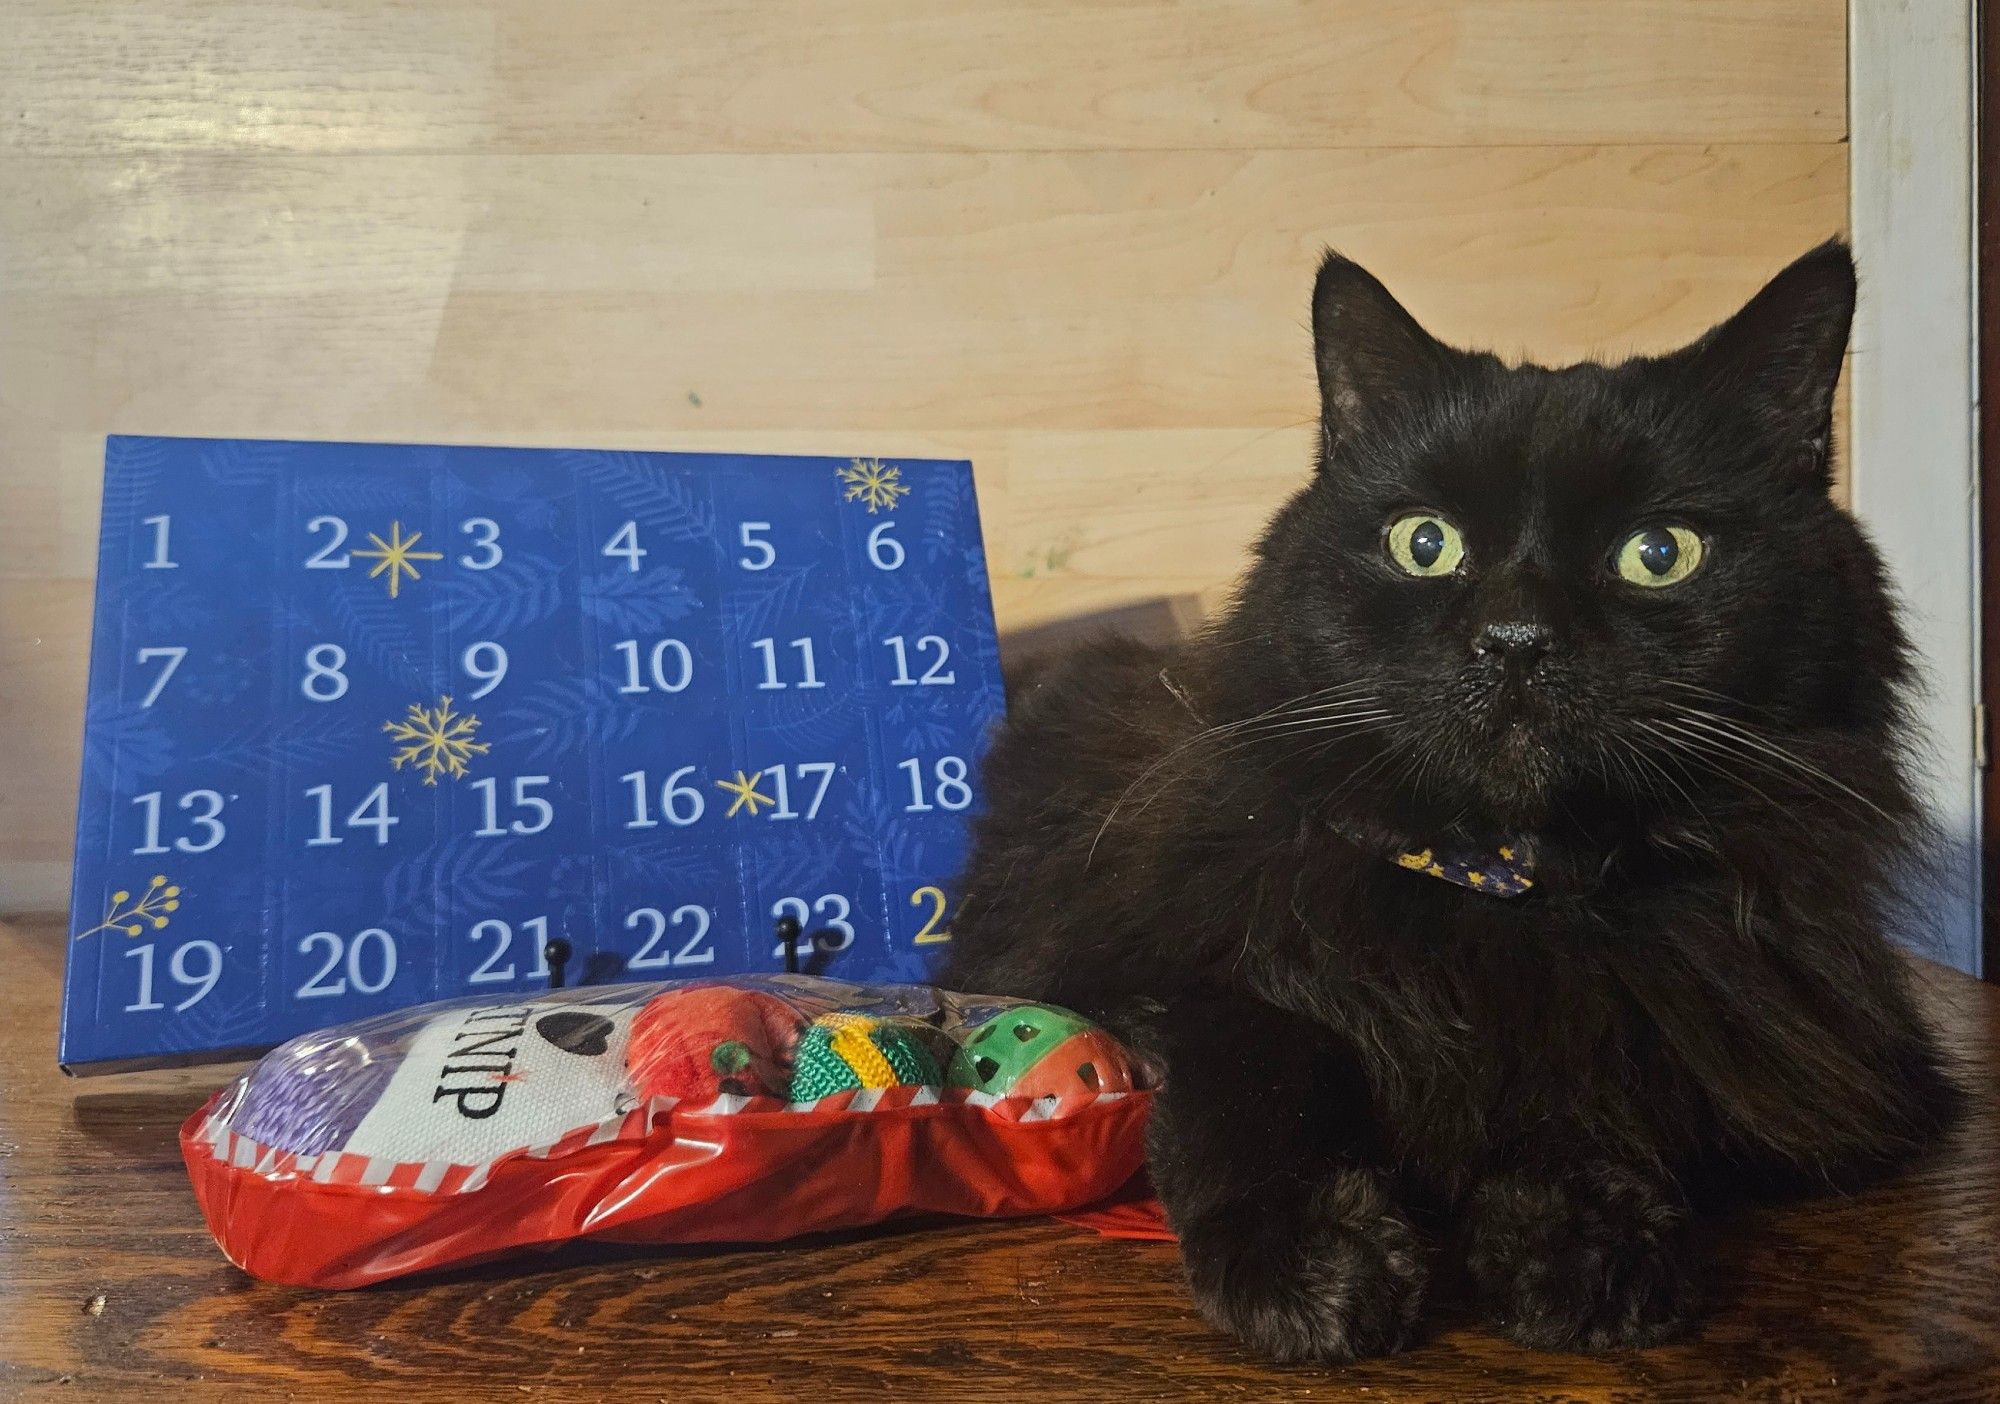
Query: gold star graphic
[746, 792]
[395, 555]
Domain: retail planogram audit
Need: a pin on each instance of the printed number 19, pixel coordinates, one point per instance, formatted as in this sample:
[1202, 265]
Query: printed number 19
[202, 981]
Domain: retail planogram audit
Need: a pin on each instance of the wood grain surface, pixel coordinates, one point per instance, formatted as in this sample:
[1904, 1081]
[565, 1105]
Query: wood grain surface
[882, 75]
[1070, 240]
[110, 1289]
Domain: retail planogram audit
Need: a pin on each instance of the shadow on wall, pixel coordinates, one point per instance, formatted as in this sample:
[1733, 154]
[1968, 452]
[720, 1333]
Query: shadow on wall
[1163, 619]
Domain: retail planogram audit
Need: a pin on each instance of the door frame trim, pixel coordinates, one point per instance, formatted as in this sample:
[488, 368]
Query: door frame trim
[1914, 464]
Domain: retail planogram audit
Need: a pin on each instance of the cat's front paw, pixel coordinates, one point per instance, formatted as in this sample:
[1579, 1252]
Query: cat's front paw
[1594, 1260]
[1334, 1275]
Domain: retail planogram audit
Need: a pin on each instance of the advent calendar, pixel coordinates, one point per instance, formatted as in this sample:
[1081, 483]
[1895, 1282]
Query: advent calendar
[370, 725]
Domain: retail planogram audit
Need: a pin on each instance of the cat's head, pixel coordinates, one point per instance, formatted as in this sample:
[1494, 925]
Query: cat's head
[1530, 591]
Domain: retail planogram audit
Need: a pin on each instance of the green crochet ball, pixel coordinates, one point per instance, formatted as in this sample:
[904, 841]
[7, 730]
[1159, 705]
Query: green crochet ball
[847, 1052]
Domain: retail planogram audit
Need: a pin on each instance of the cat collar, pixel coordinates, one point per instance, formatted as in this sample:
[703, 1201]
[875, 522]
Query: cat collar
[1506, 871]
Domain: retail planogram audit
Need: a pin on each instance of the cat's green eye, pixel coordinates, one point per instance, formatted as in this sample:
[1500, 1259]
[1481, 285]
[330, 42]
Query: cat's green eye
[1659, 555]
[1422, 544]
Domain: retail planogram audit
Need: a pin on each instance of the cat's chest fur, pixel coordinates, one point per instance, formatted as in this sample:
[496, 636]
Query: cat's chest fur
[1482, 1018]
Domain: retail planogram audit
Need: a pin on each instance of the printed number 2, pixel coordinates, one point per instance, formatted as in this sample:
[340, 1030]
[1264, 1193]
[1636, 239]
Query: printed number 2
[932, 932]
[323, 558]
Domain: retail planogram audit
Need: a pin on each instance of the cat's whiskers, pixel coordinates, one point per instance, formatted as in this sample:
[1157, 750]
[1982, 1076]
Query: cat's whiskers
[1332, 700]
[1726, 765]
[1246, 740]
[1648, 764]
[1389, 752]
[1745, 739]
[1734, 753]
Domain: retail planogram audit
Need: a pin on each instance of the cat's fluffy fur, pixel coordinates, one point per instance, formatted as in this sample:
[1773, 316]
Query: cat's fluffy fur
[1370, 1072]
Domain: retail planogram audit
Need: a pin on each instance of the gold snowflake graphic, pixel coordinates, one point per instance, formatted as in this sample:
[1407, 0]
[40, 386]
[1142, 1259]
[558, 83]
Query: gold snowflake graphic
[440, 740]
[395, 555]
[746, 792]
[159, 898]
[871, 481]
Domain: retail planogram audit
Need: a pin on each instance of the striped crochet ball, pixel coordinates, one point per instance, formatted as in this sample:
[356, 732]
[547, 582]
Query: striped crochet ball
[847, 1052]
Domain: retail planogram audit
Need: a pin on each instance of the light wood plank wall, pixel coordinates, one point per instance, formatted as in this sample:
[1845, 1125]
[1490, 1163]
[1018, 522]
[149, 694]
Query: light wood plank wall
[1071, 241]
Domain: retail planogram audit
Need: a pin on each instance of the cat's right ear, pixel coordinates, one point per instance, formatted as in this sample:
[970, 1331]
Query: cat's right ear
[1373, 357]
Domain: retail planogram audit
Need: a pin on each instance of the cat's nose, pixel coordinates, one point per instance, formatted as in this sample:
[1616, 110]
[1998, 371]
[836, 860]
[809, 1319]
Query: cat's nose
[1519, 642]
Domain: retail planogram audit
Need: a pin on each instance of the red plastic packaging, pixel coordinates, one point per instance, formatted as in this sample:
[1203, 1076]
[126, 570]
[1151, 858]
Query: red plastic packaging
[471, 1129]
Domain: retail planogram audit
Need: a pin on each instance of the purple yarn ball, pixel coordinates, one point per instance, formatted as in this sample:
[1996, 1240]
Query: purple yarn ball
[309, 1095]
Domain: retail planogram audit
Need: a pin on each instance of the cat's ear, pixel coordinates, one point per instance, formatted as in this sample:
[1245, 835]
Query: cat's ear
[1372, 355]
[1779, 358]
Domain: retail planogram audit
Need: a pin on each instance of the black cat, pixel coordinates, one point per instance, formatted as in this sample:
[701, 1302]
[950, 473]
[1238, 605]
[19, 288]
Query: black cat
[1505, 873]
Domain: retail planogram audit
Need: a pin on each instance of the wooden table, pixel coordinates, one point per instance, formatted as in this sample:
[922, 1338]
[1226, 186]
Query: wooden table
[110, 1288]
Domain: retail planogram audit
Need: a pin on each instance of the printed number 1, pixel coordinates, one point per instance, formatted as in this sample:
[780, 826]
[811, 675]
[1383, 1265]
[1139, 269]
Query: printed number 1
[160, 560]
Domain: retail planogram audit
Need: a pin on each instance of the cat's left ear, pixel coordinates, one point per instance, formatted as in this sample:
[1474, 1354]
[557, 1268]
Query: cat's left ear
[1780, 358]
[1374, 359]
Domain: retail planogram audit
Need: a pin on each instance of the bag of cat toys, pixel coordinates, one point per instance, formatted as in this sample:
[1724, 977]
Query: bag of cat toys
[742, 1110]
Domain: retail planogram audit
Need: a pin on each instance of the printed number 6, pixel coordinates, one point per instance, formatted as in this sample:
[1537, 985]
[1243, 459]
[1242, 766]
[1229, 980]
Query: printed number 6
[885, 552]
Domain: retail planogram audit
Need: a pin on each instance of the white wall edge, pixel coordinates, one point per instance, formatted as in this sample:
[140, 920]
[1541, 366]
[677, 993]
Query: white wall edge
[1912, 114]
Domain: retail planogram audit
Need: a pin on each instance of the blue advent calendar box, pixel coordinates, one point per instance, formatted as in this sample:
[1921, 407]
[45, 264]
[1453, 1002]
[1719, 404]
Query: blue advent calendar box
[373, 724]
